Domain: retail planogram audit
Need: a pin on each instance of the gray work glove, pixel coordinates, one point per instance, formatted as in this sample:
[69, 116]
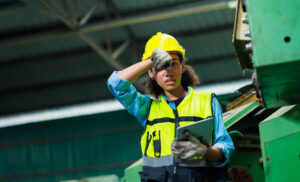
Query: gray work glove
[161, 59]
[188, 149]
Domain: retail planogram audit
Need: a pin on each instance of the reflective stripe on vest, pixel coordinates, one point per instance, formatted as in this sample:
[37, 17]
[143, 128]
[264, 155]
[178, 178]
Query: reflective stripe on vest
[158, 162]
[160, 127]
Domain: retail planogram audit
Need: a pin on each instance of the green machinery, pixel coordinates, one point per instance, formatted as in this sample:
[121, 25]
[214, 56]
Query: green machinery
[280, 136]
[267, 40]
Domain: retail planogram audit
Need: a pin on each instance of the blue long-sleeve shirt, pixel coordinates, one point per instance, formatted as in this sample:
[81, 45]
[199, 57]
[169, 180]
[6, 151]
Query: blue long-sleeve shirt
[138, 105]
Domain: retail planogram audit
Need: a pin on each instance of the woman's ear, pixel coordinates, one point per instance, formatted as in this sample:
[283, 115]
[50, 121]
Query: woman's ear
[150, 73]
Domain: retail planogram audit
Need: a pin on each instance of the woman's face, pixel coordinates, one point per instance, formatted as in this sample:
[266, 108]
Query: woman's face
[169, 80]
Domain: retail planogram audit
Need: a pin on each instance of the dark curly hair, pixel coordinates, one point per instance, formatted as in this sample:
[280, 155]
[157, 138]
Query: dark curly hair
[189, 78]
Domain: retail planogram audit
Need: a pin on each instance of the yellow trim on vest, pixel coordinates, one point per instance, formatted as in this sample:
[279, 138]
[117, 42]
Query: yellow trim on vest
[196, 100]
[162, 119]
[160, 109]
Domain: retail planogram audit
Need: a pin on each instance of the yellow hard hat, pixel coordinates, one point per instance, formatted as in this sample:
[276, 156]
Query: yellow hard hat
[165, 42]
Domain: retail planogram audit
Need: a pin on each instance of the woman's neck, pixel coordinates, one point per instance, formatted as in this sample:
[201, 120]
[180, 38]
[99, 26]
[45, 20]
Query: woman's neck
[178, 93]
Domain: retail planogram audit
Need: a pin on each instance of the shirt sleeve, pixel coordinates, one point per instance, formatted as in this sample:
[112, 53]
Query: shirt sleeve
[221, 138]
[134, 102]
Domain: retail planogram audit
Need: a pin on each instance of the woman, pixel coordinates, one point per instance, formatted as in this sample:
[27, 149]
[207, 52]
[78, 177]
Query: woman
[174, 104]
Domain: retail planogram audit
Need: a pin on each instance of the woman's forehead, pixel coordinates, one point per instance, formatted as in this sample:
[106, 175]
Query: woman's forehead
[174, 56]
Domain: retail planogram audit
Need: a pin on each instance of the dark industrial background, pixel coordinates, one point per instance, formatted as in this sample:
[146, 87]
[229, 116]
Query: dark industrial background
[61, 52]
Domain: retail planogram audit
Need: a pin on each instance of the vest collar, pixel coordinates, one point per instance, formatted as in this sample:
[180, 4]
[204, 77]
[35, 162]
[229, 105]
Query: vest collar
[186, 98]
[183, 102]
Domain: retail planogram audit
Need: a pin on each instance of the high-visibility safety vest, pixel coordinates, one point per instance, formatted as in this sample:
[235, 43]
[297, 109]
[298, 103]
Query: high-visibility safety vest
[162, 123]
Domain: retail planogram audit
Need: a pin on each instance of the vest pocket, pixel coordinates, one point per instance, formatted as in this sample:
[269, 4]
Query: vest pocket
[156, 144]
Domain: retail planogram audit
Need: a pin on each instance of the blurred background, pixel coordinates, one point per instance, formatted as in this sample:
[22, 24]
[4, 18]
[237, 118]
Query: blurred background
[58, 120]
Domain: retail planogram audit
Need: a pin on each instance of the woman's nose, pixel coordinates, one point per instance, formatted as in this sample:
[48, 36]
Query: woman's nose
[167, 67]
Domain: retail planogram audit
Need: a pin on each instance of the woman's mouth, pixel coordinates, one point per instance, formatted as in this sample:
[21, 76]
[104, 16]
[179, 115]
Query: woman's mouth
[170, 82]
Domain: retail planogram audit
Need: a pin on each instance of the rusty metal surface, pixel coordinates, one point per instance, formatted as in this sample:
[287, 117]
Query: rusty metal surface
[239, 174]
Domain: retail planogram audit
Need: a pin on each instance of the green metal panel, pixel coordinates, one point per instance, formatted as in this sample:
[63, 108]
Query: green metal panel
[233, 116]
[274, 29]
[132, 172]
[283, 158]
[279, 84]
[280, 136]
[70, 148]
[272, 23]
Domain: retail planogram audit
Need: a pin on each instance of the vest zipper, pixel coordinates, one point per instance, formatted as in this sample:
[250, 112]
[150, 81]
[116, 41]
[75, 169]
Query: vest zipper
[176, 126]
[176, 120]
